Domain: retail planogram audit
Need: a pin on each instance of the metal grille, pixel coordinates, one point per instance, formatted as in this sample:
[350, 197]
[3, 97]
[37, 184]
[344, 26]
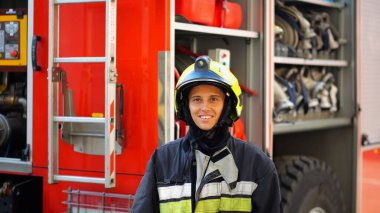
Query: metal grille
[97, 202]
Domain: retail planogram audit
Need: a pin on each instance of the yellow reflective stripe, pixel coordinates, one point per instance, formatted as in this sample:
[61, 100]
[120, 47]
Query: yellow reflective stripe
[236, 204]
[210, 205]
[176, 206]
[224, 204]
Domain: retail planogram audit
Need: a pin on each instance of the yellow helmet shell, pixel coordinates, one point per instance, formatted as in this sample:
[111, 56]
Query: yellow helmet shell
[206, 71]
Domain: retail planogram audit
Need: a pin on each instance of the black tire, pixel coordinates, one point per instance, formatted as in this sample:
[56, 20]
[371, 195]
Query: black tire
[308, 185]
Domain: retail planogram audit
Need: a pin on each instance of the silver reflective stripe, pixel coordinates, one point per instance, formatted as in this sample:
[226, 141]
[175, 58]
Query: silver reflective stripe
[226, 166]
[216, 189]
[222, 188]
[174, 192]
[202, 162]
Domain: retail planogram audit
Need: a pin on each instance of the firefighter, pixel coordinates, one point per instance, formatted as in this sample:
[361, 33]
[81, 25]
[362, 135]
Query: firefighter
[208, 170]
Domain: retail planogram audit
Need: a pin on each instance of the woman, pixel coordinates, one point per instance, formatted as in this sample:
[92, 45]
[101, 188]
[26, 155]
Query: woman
[208, 170]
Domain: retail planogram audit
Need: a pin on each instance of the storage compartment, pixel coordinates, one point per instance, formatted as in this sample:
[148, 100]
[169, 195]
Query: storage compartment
[315, 41]
[16, 87]
[305, 93]
[308, 31]
[314, 99]
[13, 107]
[242, 41]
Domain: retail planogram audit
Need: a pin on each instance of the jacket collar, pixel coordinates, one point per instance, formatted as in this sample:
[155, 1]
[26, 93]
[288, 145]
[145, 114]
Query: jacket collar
[223, 160]
[225, 163]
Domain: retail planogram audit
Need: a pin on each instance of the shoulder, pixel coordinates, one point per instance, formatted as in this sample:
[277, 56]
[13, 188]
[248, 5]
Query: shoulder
[170, 146]
[239, 146]
[250, 158]
[171, 150]
[168, 158]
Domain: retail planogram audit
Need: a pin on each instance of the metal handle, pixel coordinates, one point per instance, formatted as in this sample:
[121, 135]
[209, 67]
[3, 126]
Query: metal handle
[121, 99]
[120, 132]
[36, 38]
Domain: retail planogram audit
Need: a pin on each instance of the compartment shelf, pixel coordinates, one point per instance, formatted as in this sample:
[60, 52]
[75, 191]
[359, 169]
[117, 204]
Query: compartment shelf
[310, 62]
[214, 30]
[338, 5]
[301, 126]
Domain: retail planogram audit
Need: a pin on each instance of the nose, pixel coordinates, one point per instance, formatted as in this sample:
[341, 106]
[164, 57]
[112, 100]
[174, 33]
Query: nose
[205, 106]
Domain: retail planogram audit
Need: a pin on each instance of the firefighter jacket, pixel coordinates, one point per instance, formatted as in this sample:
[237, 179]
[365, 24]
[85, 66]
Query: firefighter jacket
[237, 178]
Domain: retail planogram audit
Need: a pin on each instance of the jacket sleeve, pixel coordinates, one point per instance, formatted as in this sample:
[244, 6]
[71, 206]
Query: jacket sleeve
[146, 198]
[267, 196]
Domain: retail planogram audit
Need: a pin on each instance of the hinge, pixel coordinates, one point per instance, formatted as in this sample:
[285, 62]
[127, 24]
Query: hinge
[358, 109]
[58, 74]
[112, 74]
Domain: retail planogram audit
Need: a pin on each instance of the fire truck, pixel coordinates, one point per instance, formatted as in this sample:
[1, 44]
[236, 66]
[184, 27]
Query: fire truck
[87, 91]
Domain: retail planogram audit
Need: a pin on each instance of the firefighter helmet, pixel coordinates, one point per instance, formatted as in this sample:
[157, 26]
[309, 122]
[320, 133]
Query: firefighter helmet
[206, 71]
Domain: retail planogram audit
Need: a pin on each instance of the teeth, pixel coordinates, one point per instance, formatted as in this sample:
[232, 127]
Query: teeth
[205, 117]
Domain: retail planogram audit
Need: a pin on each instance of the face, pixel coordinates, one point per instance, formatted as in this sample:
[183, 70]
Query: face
[206, 105]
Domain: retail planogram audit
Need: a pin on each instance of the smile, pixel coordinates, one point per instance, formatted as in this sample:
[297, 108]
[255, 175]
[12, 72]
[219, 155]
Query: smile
[205, 117]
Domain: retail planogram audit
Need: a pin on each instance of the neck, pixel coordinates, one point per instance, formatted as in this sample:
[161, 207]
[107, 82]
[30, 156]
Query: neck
[209, 141]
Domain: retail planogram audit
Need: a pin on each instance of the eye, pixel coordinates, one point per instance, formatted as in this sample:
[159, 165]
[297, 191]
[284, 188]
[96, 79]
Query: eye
[214, 99]
[196, 99]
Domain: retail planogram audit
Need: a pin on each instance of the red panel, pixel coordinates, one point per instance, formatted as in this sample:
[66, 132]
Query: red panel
[371, 181]
[82, 30]
[87, 84]
[142, 31]
[40, 88]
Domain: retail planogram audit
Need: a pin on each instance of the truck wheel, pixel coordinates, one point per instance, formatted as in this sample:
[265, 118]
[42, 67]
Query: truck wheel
[308, 185]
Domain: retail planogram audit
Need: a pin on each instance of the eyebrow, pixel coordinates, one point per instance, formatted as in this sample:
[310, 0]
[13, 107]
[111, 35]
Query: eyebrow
[194, 96]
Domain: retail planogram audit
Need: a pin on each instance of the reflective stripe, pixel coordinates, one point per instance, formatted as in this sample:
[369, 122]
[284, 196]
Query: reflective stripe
[224, 204]
[226, 165]
[221, 188]
[174, 192]
[222, 161]
[176, 207]
[227, 204]
[213, 198]
[209, 190]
